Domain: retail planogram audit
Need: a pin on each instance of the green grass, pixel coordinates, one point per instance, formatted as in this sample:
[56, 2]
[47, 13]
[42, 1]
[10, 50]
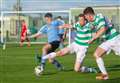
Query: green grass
[17, 66]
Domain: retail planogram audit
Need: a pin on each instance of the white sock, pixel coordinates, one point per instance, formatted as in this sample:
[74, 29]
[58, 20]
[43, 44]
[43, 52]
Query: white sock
[83, 69]
[101, 66]
[50, 55]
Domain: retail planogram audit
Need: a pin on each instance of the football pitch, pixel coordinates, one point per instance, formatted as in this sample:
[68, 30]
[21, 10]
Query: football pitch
[17, 66]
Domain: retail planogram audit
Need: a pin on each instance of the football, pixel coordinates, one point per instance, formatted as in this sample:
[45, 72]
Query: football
[38, 70]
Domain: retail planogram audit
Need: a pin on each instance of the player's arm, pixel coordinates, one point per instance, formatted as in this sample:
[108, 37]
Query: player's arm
[39, 33]
[101, 29]
[62, 25]
[35, 35]
[97, 34]
[65, 26]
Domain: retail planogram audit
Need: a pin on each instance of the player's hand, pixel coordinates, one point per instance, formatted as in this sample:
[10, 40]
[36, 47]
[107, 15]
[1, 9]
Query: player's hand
[67, 26]
[90, 41]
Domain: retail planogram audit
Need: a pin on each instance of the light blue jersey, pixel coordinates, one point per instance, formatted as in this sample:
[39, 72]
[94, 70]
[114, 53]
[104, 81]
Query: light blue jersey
[51, 30]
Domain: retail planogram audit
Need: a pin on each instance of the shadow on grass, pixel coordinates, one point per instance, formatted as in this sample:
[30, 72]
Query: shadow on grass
[113, 68]
[113, 80]
[67, 70]
[110, 68]
[50, 73]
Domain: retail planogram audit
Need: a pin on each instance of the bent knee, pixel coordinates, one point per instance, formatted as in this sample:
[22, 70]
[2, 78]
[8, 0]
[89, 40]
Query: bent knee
[96, 55]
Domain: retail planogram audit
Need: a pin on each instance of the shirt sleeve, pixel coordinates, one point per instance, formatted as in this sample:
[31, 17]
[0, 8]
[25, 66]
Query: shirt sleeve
[101, 22]
[43, 30]
[59, 23]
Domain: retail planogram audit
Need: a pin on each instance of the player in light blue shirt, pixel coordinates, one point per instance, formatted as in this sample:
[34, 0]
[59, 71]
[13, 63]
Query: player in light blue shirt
[52, 30]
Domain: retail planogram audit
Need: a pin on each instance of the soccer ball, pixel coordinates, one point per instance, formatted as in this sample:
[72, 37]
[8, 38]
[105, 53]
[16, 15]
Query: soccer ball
[38, 70]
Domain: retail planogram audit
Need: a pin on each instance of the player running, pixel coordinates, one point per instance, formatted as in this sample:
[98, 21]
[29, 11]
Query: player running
[24, 34]
[106, 30]
[52, 31]
[79, 46]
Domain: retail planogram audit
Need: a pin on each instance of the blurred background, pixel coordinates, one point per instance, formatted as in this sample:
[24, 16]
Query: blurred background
[34, 11]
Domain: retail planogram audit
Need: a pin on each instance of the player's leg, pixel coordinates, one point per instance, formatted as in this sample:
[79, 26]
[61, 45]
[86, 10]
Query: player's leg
[62, 52]
[100, 51]
[78, 62]
[22, 39]
[54, 46]
[48, 48]
[41, 67]
[59, 53]
[52, 55]
[80, 55]
[21, 42]
[28, 40]
[45, 50]
[98, 56]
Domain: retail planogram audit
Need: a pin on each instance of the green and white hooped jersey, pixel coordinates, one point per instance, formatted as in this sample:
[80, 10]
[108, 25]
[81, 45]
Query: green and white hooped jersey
[101, 22]
[83, 34]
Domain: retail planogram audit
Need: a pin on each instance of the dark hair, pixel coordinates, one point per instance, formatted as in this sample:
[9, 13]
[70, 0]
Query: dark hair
[59, 17]
[88, 10]
[48, 15]
[81, 15]
[23, 21]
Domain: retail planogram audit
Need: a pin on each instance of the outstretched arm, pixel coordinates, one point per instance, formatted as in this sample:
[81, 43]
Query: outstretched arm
[42, 30]
[35, 35]
[65, 26]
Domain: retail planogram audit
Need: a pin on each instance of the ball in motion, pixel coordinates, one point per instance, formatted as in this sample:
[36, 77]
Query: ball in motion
[38, 70]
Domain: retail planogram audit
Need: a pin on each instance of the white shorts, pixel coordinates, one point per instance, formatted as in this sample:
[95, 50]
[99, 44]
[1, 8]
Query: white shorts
[113, 44]
[79, 50]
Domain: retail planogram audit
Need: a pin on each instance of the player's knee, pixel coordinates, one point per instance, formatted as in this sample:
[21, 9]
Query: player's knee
[96, 55]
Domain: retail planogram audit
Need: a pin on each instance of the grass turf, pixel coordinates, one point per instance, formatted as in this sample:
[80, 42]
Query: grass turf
[17, 66]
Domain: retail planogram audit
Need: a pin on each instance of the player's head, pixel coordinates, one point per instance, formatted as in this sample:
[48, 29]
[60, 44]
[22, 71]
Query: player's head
[48, 17]
[82, 19]
[89, 13]
[59, 18]
[23, 21]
